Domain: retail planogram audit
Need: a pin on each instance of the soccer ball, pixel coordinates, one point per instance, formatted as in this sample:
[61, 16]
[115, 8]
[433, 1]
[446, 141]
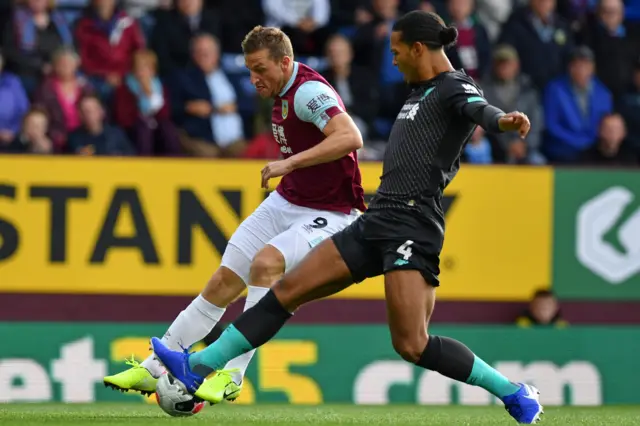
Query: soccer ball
[173, 400]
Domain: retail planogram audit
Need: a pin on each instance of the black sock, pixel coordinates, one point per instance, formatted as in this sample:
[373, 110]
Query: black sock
[448, 357]
[271, 316]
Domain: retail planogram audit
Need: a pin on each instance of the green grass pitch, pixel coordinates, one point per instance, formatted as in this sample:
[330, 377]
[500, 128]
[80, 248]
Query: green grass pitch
[272, 415]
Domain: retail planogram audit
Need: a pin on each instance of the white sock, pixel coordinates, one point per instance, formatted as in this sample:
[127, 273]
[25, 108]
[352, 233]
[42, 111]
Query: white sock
[191, 326]
[254, 294]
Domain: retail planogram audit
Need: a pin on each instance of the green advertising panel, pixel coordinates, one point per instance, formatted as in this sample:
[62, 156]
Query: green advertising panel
[596, 235]
[337, 364]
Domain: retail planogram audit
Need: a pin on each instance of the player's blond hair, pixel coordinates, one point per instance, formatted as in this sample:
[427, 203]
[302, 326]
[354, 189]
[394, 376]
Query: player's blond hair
[270, 38]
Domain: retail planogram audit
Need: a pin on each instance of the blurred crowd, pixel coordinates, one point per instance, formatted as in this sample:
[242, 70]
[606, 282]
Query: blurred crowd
[167, 77]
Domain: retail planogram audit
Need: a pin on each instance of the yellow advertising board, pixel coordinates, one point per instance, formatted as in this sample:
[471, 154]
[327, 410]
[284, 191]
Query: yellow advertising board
[141, 226]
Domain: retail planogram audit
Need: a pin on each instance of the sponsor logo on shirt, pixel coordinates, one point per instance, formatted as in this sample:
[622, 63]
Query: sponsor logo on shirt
[468, 88]
[314, 104]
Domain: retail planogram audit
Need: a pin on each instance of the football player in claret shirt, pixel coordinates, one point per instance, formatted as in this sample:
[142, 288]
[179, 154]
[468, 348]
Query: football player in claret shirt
[320, 193]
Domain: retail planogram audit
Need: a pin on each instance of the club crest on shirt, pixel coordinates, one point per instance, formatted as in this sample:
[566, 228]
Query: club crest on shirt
[285, 108]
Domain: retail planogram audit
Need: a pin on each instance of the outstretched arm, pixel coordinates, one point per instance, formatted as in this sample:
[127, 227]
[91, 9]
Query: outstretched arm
[467, 100]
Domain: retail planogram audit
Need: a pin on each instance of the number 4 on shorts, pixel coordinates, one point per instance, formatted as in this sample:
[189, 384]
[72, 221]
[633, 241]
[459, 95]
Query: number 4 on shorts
[405, 249]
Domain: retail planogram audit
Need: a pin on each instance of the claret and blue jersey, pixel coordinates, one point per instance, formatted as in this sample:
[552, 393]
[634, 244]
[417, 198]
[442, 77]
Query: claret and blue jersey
[300, 113]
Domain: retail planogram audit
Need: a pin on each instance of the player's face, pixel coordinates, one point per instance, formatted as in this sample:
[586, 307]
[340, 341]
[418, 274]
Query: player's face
[404, 57]
[267, 74]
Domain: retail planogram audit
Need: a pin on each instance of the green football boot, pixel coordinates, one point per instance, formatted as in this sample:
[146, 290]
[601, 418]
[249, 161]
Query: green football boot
[137, 379]
[220, 387]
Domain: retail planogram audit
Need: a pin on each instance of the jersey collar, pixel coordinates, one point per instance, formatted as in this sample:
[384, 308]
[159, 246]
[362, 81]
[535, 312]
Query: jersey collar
[287, 86]
[423, 83]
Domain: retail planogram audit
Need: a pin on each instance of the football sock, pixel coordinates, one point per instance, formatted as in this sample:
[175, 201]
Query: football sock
[254, 294]
[191, 326]
[453, 359]
[252, 329]
[490, 379]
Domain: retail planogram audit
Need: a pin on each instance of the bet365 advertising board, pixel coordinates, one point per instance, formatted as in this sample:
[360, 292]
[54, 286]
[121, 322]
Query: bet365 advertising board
[333, 364]
[113, 226]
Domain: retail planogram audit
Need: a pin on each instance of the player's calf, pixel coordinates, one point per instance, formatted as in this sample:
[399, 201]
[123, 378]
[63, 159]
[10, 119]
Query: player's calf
[410, 302]
[266, 268]
[455, 360]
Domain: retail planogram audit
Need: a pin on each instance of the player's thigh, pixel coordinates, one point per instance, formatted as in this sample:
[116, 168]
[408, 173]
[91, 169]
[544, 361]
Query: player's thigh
[251, 236]
[321, 273]
[410, 302]
[308, 229]
[349, 234]
[410, 245]
[413, 243]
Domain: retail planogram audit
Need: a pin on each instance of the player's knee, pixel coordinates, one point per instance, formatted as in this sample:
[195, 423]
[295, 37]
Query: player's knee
[286, 294]
[267, 266]
[410, 349]
[223, 287]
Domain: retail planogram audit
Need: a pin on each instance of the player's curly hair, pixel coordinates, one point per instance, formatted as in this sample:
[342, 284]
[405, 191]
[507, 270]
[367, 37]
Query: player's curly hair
[427, 28]
[273, 39]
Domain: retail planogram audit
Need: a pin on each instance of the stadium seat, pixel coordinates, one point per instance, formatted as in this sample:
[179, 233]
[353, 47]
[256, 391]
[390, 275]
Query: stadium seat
[147, 22]
[318, 63]
[233, 64]
[348, 32]
[71, 14]
[383, 126]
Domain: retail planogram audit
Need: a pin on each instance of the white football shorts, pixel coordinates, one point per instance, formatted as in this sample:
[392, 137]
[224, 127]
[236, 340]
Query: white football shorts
[292, 229]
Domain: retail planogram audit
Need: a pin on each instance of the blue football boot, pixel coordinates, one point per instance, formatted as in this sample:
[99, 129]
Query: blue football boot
[524, 405]
[177, 364]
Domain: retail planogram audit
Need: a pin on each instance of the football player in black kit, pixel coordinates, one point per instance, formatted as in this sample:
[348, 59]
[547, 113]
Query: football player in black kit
[401, 233]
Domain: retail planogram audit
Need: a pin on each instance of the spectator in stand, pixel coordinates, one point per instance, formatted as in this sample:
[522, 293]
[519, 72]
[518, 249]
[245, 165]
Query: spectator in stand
[304, 21]
[95, 136]
[263, 145]
[493, 14]
[478, 150]
[32, 138]
[14, 104]
[542, 38]
[174, 30]
[577, 13]
[107, 38]
[372, 50]
[433, 6]
[357, 88]
[142, 108]
[632, 10]
[473, 48]
[611, 148]
[245, 13]
[35, 32]
[343, 13]
[146, 12]
[138, 9]
[511, 90]
[6, 6]
[543, 310]
[629, 107]
[615, 46]
[59, 94]
[574, 104]
[205, 104]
